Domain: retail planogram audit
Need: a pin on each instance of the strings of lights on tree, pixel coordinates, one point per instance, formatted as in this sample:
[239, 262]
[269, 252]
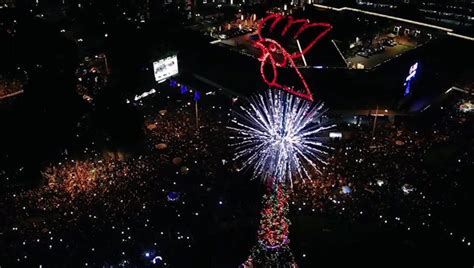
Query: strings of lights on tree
[280, 136]
[273, 243]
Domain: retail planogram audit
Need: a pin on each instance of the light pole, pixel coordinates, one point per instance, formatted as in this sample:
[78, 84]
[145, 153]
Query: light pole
[375, 120]
[197, 97]
[197, 115]
[106, 64]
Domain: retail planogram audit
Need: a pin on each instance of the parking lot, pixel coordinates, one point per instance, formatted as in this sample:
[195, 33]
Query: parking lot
[243, 44]
[402, 45]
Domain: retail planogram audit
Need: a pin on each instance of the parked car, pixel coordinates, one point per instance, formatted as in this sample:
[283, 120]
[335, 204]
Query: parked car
[363, 53]
[378, 49]
[389, 43]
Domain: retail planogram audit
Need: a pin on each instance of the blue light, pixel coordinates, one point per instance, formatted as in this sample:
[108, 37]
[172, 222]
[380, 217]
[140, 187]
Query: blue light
[407, 88]
[173, 196]
[197, 95]
[184, 89]
[409, 78]
[346, 190]
[173, 83]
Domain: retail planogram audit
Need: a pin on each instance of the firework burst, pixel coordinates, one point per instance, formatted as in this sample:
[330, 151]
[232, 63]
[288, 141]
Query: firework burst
[280, 137]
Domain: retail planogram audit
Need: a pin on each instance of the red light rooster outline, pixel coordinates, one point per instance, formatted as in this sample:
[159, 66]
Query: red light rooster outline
[274, 46]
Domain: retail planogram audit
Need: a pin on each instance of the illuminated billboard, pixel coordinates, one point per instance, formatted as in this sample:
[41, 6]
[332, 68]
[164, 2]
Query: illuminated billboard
[409, 78]
[165, 68]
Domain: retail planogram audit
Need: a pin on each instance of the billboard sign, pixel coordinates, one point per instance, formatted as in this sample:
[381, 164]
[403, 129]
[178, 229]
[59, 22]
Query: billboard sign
[409, 78]
[165, 68]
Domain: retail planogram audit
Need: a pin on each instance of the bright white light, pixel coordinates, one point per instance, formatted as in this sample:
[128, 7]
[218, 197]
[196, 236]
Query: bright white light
[412, 71]
[407, 188]
[157, 259]
[144, 94]
[384, 16]
[302, 54]
[165, 68]
[279, 136]
[470, 38]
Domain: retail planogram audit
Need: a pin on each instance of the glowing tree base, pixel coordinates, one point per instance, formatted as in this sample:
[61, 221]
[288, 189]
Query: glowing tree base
[272, 250]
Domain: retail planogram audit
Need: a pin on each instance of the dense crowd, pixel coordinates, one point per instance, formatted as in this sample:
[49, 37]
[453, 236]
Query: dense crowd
[149, 208]
[175, 133]
[145, 200]
[399, 174]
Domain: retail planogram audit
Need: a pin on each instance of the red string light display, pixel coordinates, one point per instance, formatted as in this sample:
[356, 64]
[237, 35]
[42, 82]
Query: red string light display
[272, 50]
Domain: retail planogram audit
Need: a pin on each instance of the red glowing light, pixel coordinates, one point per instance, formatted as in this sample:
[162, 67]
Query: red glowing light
[271, 48]
[274, 224]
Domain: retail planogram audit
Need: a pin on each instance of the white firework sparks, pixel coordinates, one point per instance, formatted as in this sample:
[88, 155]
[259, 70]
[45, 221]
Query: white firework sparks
[279, 136]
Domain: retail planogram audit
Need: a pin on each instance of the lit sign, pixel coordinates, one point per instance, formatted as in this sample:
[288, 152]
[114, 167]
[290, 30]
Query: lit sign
[410, 77]
[165, 68]
[412, 72]
[144, 94]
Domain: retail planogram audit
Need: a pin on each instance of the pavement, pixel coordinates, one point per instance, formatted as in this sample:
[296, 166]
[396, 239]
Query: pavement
[243, 44]
[388, 54]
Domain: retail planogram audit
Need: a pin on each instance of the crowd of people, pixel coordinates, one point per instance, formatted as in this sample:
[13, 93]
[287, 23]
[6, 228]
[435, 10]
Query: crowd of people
[176, 133]
[146, 200]
[150, 208]
[398, 174]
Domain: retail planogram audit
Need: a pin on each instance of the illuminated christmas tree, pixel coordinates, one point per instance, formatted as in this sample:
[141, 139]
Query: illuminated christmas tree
[272, 249]
[279, 138]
